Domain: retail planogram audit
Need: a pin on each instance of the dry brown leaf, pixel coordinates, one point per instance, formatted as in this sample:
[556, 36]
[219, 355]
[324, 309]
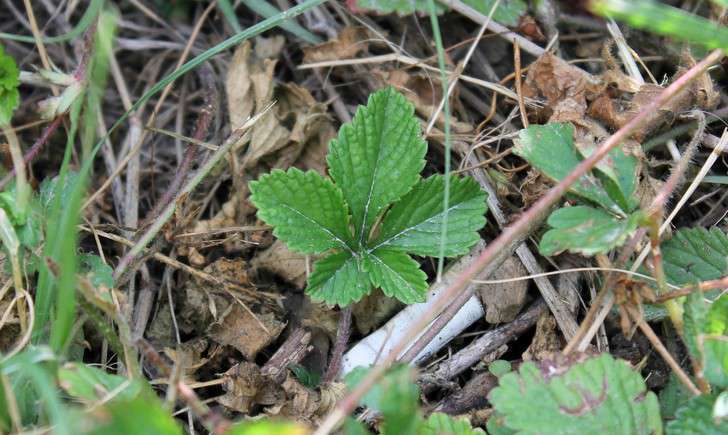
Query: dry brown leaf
[566, 88]
[373, 310]
[546, 341]
[244, 330]
[244, 388]
[348, 43]
[278, 259]
[504, 301]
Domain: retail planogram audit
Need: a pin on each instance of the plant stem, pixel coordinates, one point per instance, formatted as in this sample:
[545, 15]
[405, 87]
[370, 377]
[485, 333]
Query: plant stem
[517, 229]
[35, 149]
[22, 189]
[342, 338]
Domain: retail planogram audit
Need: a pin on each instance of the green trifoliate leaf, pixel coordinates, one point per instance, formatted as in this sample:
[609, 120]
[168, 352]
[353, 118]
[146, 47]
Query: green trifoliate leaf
[9, 95]
[414, 224]
[306, 210]
[550, 149]
[338, 279]
[586, 230]
[442, 424]
[695, 254]
[595, 396]
[696, 418]
[397, 274]
[377, 158]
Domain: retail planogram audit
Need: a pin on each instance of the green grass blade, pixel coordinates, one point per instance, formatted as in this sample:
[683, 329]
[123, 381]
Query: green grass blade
[88, 17]
[267, 10]
[665, 20]
[446, 110]
[229, 13]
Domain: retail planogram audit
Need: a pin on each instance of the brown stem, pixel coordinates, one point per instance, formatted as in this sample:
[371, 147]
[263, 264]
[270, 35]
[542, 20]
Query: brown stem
[703, 286]
[342, 338]
[660, 348]
[511, 233]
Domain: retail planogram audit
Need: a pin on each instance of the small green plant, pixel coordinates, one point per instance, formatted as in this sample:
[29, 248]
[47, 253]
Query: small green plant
[396, 397]
[375, 212]
[588, 396]
[608, 211]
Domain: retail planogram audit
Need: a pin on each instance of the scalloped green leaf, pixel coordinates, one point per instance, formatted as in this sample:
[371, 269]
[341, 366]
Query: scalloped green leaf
[305, 209]
[586, 230]
[338, 279]
[696, 418]
[550, 149]
[695, 254]
[377, 157]
[9, 80]
[442, 424]
[397, 274]
[414, 224]
[595, 396]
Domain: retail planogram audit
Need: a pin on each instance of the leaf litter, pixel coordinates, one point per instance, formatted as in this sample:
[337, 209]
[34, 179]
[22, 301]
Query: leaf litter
[229, 341]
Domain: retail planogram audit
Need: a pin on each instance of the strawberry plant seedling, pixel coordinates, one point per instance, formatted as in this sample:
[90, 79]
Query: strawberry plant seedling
[608, 211]
[374, 211]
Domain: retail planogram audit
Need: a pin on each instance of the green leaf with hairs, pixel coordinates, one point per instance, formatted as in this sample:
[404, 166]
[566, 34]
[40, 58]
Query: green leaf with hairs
[586, 230]
[577, 395]
[338, 279]
[696, 417]
[397, 274]
[377, 158]
[414, 224]
[550, 149]
[305, 209]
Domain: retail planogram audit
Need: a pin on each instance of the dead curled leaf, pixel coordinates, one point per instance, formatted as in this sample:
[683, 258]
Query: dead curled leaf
[245, 387]
[277, 258]
[545, 342]
[244, 330]
[348, 43]
[504, 301]
[612, 98]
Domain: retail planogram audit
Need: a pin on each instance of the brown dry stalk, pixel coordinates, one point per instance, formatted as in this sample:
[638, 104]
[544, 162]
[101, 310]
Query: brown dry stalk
[517, 229]
[660, 348]
[519, 91]
[703, 286]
